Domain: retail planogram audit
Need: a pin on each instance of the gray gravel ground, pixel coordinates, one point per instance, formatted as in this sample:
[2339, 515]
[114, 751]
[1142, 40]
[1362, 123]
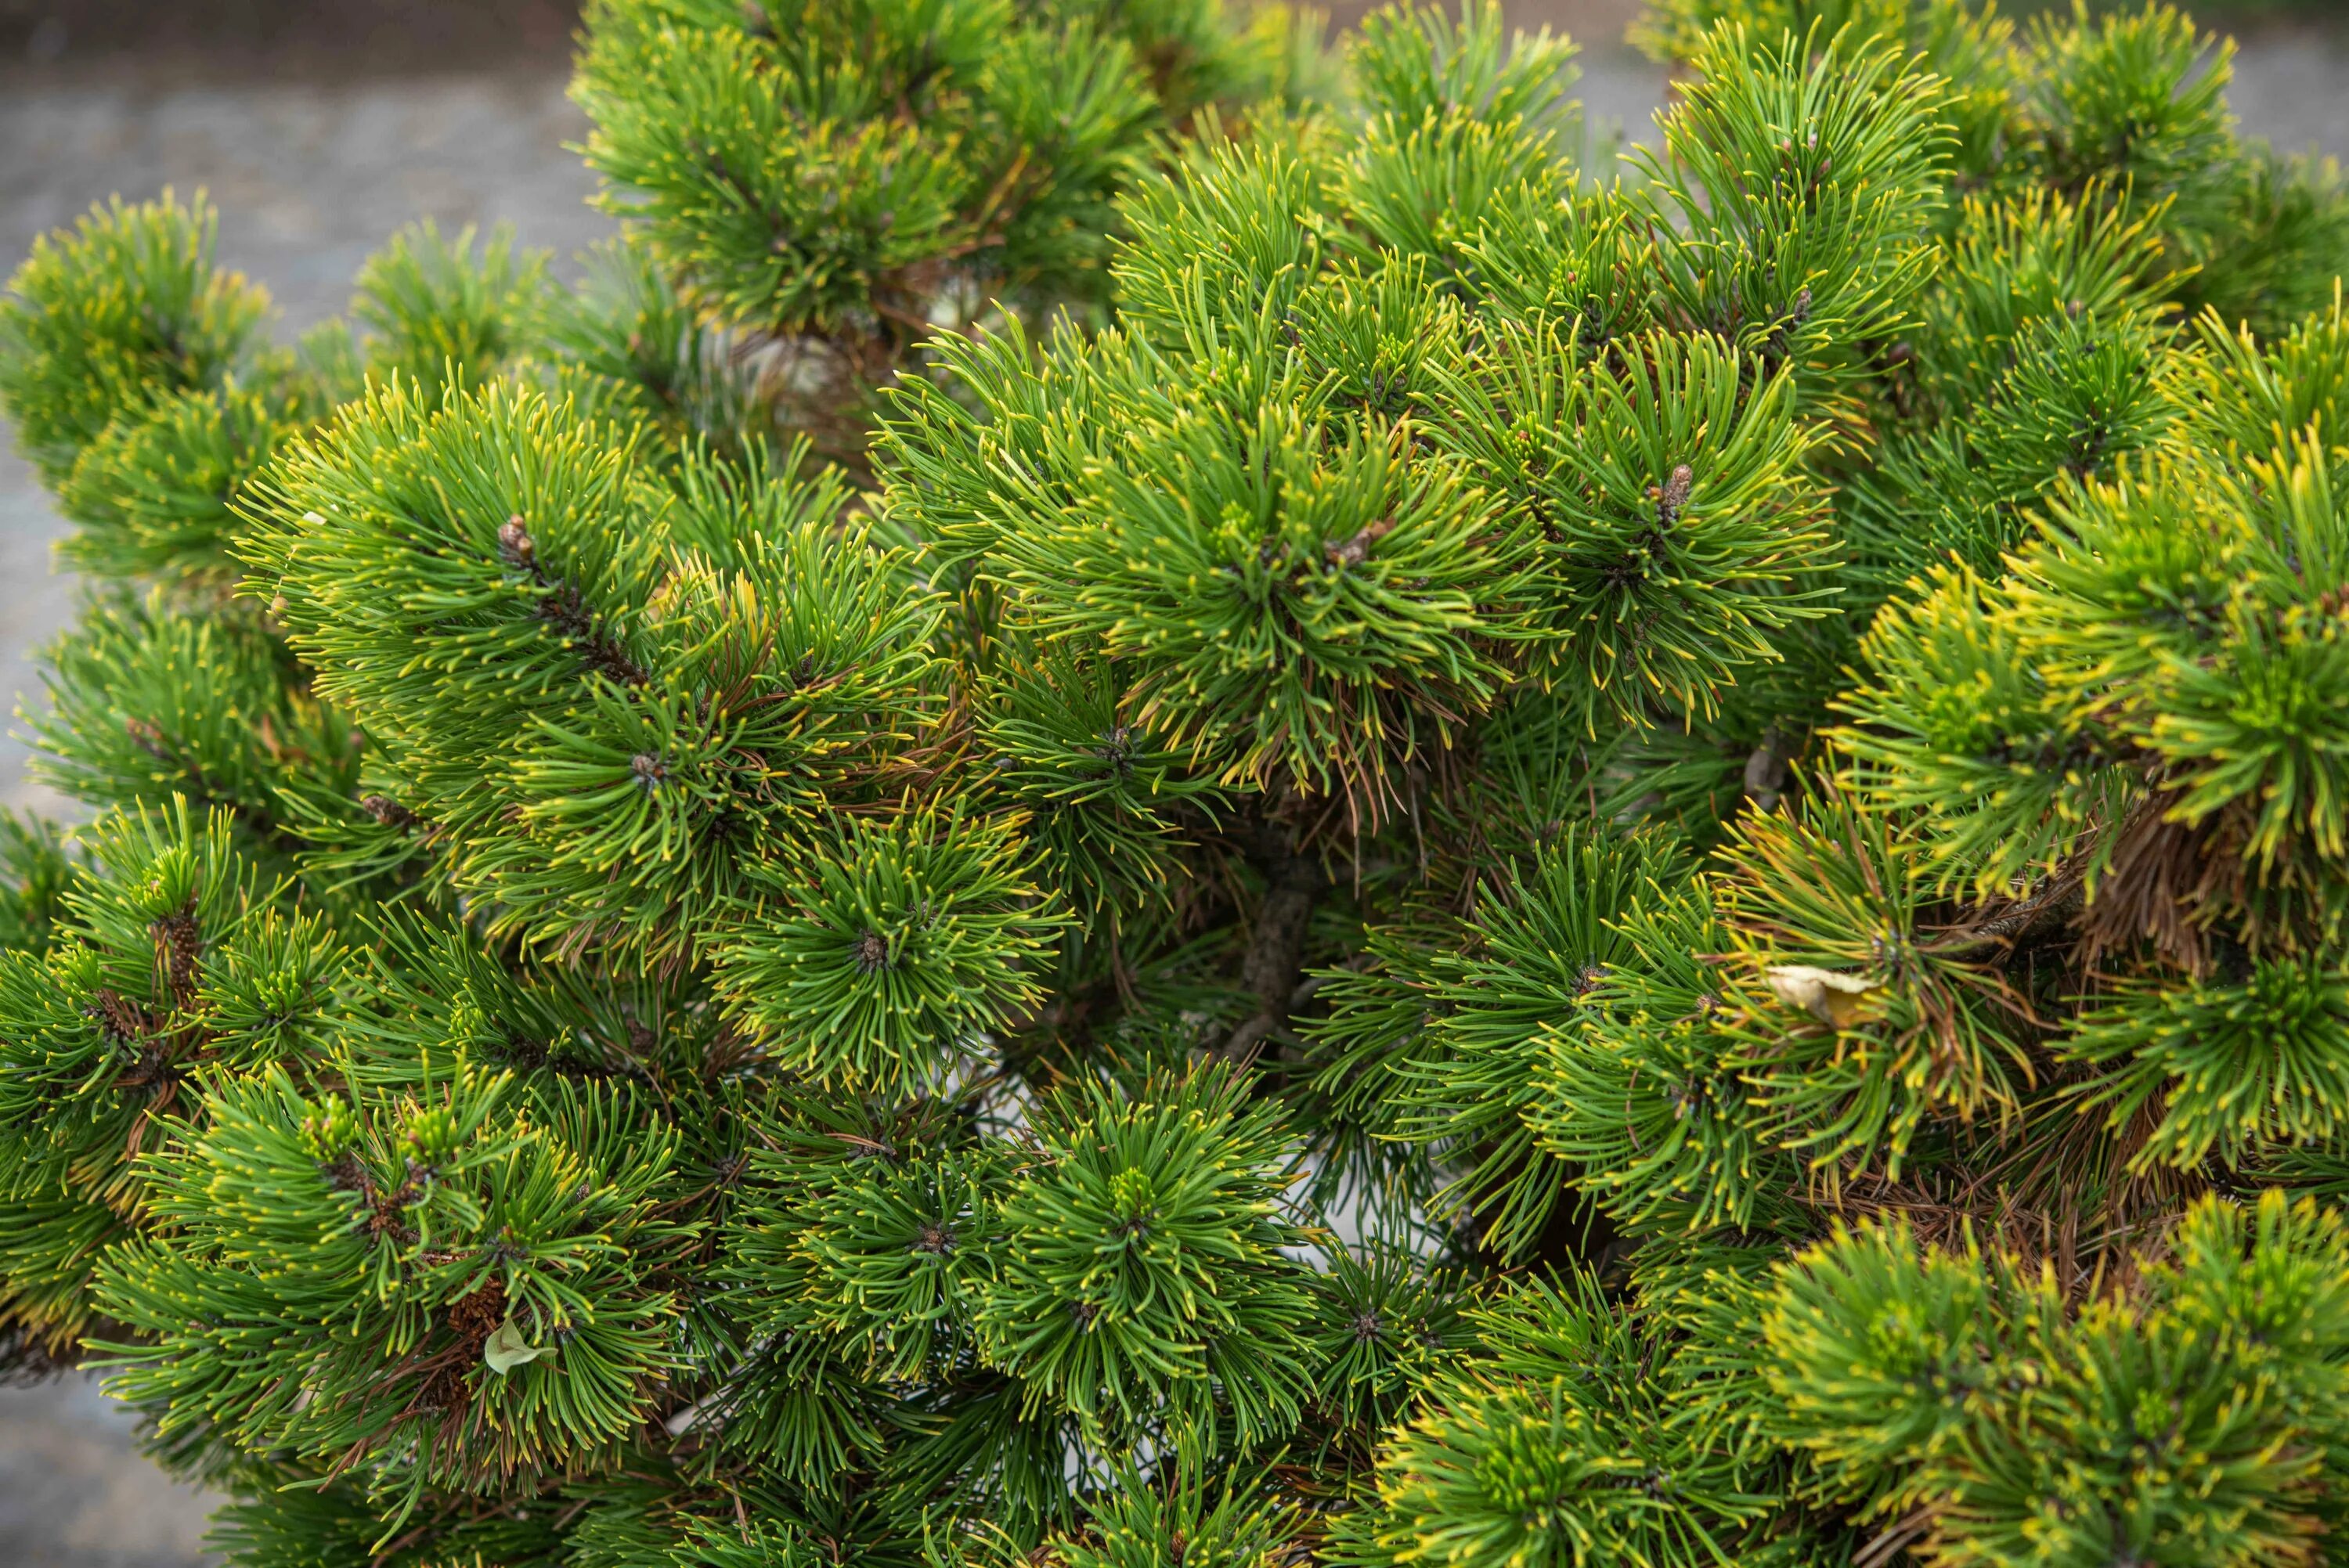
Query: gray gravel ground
[74, 1494]
[310, 177]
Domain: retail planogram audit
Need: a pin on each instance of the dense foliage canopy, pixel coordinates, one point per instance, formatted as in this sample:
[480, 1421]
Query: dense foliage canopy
[1149, 797]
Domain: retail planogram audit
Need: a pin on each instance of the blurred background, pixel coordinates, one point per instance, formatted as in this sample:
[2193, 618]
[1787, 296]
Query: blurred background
[319, 127]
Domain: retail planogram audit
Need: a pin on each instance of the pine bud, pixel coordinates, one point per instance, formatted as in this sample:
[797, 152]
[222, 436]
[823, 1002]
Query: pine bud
[1357, 549]
[386, 811]
[1674, 496]
[515, 546]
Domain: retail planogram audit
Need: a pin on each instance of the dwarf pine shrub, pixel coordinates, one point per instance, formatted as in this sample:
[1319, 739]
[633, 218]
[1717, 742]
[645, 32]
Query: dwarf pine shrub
[1148, 799]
